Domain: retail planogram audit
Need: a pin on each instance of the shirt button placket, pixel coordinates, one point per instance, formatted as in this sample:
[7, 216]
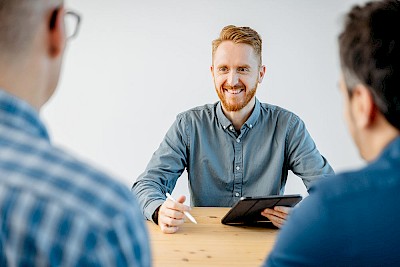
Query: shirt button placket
[238, 172]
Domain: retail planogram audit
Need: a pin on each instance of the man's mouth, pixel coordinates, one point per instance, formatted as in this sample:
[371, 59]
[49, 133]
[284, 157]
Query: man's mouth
[234, 91]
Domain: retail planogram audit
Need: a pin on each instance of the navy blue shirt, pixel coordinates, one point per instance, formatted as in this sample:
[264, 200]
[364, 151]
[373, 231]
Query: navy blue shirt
[348, 220]
[224, 165]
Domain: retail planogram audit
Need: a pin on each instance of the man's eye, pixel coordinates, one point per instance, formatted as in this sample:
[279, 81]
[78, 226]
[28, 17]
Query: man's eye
[243, 69]
[223, 69]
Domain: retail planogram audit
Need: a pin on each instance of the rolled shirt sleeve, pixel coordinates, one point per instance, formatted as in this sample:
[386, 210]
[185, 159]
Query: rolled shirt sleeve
[165, 167]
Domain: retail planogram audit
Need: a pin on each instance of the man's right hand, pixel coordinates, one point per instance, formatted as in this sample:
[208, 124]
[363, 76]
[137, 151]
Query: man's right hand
[170, 215]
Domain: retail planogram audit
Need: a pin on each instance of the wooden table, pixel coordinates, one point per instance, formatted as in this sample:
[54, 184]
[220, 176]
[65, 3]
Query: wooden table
[210, 243]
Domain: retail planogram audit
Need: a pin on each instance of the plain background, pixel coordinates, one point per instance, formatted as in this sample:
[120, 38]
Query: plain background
[136, 64]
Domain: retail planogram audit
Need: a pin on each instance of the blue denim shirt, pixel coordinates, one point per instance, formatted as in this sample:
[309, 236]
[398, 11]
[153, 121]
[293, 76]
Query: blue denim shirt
[224, 165]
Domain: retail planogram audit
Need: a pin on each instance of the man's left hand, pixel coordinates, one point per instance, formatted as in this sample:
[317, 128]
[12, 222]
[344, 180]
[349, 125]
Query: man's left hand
[277, 215]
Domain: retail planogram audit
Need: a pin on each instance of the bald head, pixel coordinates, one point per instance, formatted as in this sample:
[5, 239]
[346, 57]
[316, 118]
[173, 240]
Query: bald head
[19, 22]
[32, 42]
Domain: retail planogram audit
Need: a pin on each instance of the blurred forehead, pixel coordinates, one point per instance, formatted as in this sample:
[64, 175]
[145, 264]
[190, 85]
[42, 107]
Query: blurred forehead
[230, 53]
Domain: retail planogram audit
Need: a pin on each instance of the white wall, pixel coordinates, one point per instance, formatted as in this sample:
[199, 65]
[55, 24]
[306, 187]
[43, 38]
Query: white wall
[136, 64]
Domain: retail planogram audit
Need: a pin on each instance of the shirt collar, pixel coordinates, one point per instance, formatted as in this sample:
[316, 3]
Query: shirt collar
[19, 115]
[223, 120]
[251, 121]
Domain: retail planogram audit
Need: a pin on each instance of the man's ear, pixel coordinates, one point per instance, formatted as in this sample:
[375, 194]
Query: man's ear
[212, 70]
[56, 32]
[363, 106]
[261, 73]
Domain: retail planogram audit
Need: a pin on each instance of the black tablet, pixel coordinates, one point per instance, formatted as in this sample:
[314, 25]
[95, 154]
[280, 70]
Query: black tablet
[248, 209]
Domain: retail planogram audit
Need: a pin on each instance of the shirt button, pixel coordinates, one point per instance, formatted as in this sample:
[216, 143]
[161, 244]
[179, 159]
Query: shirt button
[238, 140]
[237, 168]
[251, 126]
[237, 194]
[231, 128]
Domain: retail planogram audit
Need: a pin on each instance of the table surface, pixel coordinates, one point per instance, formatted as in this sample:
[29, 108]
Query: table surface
[210, 243]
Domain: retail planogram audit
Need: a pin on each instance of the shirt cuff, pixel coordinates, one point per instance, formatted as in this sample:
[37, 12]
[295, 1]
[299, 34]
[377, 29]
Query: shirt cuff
[155, 215]
[151, 208]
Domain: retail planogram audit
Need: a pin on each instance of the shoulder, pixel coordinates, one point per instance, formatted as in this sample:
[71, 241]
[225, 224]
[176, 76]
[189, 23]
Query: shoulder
[356, 182]
[335, 187]
[343, 192]
[97, 200]
[330, 195]
[281, 119]
[279, 113]
[58, 177]
[91, 180]
[199, 114]
[345, 202]
[207, 110]
[65, 195]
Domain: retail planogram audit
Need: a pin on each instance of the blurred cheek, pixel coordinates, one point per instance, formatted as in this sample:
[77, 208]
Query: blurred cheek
[346, 116]
[349, 118]
[345, 110]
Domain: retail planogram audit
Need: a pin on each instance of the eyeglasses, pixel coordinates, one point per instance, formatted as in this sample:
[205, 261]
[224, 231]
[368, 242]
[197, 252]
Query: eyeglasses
[72, 22]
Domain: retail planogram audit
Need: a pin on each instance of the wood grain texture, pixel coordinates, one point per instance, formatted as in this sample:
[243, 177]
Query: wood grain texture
[210, 243]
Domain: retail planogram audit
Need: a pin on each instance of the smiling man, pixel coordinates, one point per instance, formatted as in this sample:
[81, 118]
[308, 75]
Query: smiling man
[236, 147]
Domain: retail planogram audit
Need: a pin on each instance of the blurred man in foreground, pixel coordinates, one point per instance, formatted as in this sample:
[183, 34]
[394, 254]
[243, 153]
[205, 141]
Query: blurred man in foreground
[54, 209]
[351, 219]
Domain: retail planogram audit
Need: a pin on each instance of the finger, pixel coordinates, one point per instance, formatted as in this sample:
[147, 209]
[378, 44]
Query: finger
[167, 229]
[170, 216]
[172, 213]
[277, 221]
[168, 207]
[268, 211]
[279, 225]
[170, 221]
[181, 199]
[271, 212]
[283, 209]
[176, 205]
[275, 217]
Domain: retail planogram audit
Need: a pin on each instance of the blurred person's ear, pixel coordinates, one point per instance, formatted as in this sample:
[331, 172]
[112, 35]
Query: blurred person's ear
[362, 106]
[56, 32]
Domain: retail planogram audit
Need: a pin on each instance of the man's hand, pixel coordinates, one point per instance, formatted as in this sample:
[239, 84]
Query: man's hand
[277, 215]
[170, 215]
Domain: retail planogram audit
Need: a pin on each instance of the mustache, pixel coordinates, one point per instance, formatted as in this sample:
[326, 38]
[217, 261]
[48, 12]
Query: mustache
[235, 87]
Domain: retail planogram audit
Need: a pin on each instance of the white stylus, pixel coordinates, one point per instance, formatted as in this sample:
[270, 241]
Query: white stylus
[193, 220]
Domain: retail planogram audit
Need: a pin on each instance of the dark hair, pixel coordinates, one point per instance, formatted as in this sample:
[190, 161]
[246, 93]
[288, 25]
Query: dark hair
[370, 54]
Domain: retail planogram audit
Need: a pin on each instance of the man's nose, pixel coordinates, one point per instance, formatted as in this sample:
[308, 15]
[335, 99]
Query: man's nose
[233, 78]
